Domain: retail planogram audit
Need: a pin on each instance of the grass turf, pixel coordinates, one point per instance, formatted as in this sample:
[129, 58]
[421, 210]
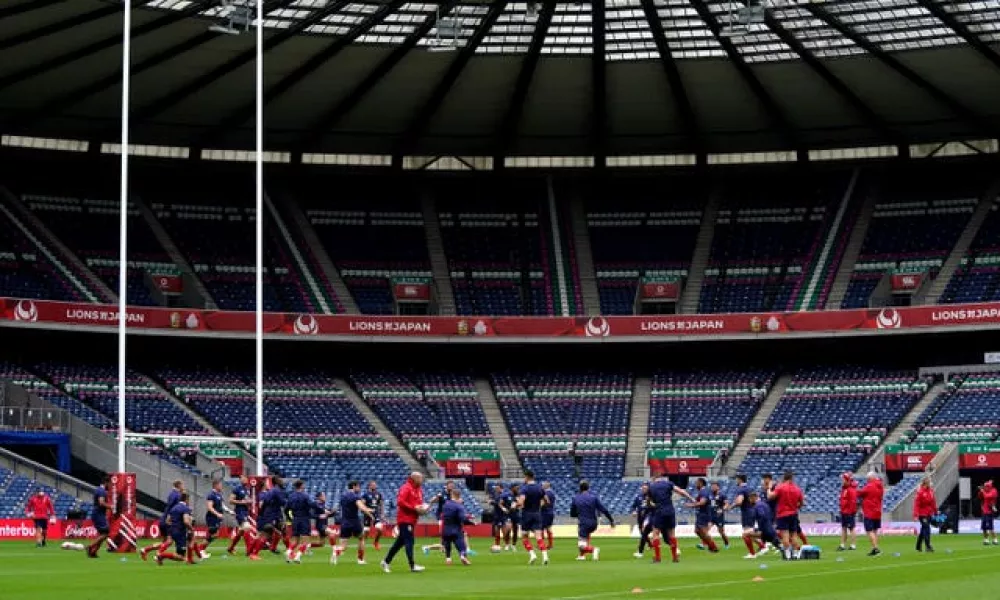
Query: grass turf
[961, 568]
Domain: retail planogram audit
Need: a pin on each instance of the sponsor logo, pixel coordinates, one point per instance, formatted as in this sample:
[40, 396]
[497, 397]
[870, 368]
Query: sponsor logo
[756, 324]
[26, 311]
[175, 320]
[102, 316]
[909, 281]
[73, 530]
[394, 326]
[17, 531]
[773, 324]
[464, 467]
[966, 314]
[660, 290]
[480, 328]
[192, 321]
[693, 324]
[981, 459]
[463, 327]
[914, 460]
[306, 325]
[409, 290]
[597, 327]
[888, 318]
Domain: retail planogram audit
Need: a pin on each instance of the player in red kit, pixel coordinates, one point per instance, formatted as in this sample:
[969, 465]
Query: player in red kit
[848, 512]
[409, 508]
[871, 509]
[40, 510]
[924, 508]
[988, 496]
[789, 500]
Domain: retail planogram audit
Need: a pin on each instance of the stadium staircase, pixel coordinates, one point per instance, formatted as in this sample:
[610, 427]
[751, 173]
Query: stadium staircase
[563, 294]
[82, 278]
[383, 431]
[943, 471]
[439, 261]
[827, 259]
[846, 269]
[876, 461]
[691, 294]
[961, 248]
[638, 428]
[746, 441]
[173, 252]
[498, 427]
[584, 258]
[325, 303]
[331, 276]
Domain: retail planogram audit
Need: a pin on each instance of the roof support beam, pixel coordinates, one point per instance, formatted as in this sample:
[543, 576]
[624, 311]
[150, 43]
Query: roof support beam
[245, 113]
[515, 107]
[599, 85]
[866, 113]
[778, 116]
[433, 102]
[963, 32]
[161, 104]
[689, 121]
[336, 112]
[111, 41]
[942, 98]
[60, 26]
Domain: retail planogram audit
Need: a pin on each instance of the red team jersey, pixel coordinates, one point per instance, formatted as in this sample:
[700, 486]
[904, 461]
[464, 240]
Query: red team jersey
[409, 498]
[871, 499]
[849, 499]
[989, 497]
[40, 507]
[790, 498]
[925, 504]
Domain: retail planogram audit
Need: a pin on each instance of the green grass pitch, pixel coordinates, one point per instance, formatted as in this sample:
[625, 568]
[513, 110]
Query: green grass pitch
[961, 568]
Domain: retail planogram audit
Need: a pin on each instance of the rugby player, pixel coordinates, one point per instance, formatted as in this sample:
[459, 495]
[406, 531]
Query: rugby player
[587, 508]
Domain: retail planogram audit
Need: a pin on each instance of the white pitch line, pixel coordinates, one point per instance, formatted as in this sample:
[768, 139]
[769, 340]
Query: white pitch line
[779, 578]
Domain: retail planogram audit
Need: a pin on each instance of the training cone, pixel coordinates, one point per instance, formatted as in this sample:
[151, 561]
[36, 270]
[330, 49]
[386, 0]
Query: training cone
[757, 579]
[637, 590]
[763, 566]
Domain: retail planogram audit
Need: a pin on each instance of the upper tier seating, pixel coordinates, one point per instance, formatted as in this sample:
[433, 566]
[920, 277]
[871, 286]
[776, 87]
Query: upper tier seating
[433, 412]
[968, 411]
[26, 271]
[372, 240]
[559, 420]
[490, 251]
[703, 410]
[90, 228]
[632, 236]
[978, 278]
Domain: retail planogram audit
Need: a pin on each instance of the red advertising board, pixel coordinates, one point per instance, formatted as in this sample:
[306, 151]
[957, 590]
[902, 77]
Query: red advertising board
[472, 467]
[679, 466]
[169, 284]
[412, 292]
[668, 290]
[983, 460]
[38, 313]
[915, 461]
[906, 282]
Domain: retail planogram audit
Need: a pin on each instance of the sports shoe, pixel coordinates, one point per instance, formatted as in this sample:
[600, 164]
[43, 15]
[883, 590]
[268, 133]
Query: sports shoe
[465, 561]
[144, 554]
[385, 567]
[700, 546]
[841, 548]
[581, 557]
[362, 562]
[597, 554]
[637, 555]
[416, 569]
[875, 552]
[532, 558]
[545, 557]
[159, 561]
[750, 556]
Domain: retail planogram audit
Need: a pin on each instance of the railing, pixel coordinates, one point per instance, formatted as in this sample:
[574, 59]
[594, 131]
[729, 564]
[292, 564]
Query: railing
[35, 419]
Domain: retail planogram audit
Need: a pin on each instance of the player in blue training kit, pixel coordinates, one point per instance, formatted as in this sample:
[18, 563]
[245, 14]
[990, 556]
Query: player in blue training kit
[439, 500]
[270, 518]
[453, 519]
[703, 517]
[515, 515]
[548, 511]
[587, 508]
[302, 509]
[719, 512]
[661, 497]
[530, 502]
[215, 514]
[181, 526]
[764, 521]
[172, 499]
[240, 499]
[376, 503]
[352, 507]
[741, 500]
[507, 503]
[642, 510]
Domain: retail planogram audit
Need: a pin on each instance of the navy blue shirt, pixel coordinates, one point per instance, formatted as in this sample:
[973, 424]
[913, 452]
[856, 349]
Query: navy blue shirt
[375, 502]
[763, 516]
[586, 506]
[454, 517]
[705, 509]
[661, 493]
[172, 499]
[533, 494]
[272, 505]
[99, 514]
[321, 516]
[215, 500]
[772, 504]
[241, 510]
[176, 517]
[300, 505]
[349, 507]
[549, 508]
[746, 507]
[442, 500]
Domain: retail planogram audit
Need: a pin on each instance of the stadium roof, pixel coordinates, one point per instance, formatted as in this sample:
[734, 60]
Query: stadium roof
[659, 77]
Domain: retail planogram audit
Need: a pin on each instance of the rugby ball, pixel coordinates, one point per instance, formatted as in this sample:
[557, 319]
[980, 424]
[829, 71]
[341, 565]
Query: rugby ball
[495, 549]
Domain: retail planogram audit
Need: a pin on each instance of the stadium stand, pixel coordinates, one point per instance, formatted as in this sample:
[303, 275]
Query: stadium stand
[978, 278]
[14, 492]
[26, 271]
[968, 411]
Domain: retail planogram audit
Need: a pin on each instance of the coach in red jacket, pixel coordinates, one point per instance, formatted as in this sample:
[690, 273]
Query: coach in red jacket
[924, 507]
[40, 509]
[871, 508]
[409, 506]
